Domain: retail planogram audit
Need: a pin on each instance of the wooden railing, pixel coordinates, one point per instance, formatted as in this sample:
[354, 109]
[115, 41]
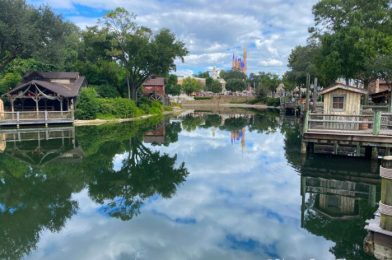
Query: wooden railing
[35, 117]
[376, 124]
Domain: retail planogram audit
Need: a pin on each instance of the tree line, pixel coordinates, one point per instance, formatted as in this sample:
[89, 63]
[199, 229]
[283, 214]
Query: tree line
[350, 40]
[116, 55]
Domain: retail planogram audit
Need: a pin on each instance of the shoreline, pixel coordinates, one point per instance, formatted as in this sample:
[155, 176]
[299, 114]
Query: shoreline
[95, 122]
[185, 107]
[228, 105]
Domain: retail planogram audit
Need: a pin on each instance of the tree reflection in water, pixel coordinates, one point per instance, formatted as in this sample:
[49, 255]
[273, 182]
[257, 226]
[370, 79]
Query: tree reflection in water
[36, 197]
[143, 173]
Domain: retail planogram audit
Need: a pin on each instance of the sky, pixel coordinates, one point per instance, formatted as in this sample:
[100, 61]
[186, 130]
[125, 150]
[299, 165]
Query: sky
[219, 212]
[213, 30]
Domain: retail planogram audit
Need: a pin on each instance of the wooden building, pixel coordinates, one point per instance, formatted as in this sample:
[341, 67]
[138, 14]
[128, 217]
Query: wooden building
[341, 99]
[42, 98]
[54, 91]
[154, 88]
[380, 92]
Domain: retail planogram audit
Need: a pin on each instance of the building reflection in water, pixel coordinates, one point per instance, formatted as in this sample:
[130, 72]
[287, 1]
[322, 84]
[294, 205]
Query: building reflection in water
[38, 146]
[336, 201]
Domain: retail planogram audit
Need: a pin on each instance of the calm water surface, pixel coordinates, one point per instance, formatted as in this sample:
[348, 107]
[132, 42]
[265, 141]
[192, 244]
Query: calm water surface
[202, 186]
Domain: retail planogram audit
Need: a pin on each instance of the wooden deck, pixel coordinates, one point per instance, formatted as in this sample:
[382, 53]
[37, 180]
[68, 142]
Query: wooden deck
[374, 131]
[36, 118]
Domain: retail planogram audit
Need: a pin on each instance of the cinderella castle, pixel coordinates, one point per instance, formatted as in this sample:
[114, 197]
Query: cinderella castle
[240, 64]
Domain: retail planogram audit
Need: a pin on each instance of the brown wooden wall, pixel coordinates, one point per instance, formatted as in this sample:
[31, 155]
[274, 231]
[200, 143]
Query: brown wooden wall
[352, 102]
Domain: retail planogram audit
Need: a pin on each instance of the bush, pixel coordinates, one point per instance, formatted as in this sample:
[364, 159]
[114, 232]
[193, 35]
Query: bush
[118, 108]
[106, 91]
[151, 107]
[87, 105]
[272, 102]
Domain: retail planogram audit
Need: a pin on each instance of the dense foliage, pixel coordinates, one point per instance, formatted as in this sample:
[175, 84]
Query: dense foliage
[116, 56]
[191, 85]
[350, 40]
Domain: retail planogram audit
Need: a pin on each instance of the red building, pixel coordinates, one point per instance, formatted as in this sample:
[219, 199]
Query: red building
[154, 88]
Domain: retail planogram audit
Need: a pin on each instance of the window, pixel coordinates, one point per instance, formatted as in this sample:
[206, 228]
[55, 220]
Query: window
[338, 102]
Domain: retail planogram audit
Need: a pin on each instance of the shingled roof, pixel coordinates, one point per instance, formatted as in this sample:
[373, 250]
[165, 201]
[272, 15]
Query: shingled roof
[344, 87]
[64, 90]
[155, 81]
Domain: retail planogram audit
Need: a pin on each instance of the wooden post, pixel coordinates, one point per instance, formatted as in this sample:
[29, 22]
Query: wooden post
[61, 105]
[386, 194]
[46, 118]
[377, 123]
[390, 101]
[307, 91]
[306, 121]
[17, 119]
[303, 147]
[315, 94]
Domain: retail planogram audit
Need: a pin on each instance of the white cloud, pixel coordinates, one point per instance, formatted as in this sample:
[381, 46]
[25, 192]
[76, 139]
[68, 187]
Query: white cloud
[271, 63]
[213, 30]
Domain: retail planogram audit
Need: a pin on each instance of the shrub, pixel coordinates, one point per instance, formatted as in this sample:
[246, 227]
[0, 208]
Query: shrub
[273, 102]
[106, 91]
[118, 108]
[87, 105]
[151, 107]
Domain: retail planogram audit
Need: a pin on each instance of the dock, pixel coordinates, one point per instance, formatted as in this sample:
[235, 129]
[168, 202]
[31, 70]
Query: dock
[23, 118]
[367, 135]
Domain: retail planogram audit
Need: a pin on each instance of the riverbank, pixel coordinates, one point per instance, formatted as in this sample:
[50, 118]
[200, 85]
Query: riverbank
[226, 105]
[123, 120]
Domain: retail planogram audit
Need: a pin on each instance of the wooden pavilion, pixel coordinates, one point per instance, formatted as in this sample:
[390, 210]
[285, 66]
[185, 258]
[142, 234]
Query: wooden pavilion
[42, 98]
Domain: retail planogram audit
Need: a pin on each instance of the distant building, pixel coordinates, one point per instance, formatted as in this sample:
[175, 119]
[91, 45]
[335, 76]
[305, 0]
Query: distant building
[154, 88]
[215, 74]
[240, 64]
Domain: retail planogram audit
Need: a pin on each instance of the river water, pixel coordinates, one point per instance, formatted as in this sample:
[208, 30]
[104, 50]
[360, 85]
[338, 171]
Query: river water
[207, 185]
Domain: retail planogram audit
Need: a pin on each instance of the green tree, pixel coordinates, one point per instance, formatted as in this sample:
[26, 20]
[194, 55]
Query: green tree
[303, 60]
[213, 85]
[141, 52]
[232, 74]
[27, 32]
[191, 85]
[235, 84]
[352, 34]
[172, 88]
[87, 106]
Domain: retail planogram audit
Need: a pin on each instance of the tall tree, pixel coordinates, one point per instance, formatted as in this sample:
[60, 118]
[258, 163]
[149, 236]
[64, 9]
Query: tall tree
[141, 52]
[27, 32]
[352, 34]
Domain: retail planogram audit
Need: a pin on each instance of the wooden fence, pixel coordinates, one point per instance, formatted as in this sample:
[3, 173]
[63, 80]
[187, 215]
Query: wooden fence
[378, 123]
[36, 117]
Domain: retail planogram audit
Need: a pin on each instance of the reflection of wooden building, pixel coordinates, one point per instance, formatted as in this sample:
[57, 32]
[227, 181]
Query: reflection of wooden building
[43, 97]
[40, 145]
[335, 190]
[156, 135]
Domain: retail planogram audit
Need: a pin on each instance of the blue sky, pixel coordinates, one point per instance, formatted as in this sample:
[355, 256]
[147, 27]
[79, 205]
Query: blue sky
[212, 29]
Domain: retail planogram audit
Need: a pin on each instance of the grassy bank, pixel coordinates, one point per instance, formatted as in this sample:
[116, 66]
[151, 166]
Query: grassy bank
[91, 106]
